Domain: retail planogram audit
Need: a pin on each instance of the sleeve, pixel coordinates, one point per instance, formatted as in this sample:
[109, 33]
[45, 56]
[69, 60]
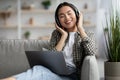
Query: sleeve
[88, 44]
[54, 39]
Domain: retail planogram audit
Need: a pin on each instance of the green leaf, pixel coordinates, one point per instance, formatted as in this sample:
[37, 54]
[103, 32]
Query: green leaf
[112, 36]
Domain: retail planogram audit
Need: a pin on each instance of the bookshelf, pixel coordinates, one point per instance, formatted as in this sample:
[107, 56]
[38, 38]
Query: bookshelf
[37, 18]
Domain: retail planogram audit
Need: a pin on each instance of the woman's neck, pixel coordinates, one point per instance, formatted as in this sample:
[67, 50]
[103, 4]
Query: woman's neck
[73, 29]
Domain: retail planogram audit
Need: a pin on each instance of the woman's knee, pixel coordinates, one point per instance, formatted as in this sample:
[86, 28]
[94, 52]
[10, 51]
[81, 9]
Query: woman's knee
[40, 68]
[45, 73]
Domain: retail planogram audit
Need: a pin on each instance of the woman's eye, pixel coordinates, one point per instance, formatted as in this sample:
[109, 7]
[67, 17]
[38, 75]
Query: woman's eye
[69, 13]
[61, 16]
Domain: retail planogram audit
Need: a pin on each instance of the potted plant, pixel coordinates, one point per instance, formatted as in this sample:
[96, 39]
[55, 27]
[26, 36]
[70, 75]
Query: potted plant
[46, 3]
[27, 35]
[112, 39]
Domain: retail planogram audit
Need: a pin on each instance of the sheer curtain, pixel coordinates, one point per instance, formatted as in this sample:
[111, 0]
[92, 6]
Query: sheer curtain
[115, 4]
[109, 4]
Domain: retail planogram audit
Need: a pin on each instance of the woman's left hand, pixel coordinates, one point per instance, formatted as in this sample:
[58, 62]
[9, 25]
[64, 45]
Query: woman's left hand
[80, 21]
[80, 26]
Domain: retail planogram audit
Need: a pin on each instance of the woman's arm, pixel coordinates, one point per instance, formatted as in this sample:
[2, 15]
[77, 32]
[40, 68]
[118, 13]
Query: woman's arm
[88, 41]
[80, 26]
[61, 43]
[88, 44]
[58, 39]
[62, 40]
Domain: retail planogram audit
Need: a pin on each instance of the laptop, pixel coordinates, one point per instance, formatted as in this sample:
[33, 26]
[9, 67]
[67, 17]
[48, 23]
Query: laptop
[53, 60]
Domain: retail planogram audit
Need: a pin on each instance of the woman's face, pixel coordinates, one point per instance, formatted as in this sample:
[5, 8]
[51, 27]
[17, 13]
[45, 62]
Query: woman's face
[67, 18]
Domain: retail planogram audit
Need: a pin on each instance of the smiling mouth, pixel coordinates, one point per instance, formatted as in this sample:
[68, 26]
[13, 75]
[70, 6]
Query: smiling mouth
[68, 22]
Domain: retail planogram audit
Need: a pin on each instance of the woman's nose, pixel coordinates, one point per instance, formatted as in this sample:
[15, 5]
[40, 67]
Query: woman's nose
[67, 17]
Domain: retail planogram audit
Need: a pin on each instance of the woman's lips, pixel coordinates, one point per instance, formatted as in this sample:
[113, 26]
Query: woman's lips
[68, 22]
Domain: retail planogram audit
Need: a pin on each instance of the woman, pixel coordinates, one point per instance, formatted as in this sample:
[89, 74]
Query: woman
[69, 37]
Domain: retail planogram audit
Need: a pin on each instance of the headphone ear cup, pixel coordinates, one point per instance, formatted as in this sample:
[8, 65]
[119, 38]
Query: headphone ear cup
[57, 22]
[77, 15]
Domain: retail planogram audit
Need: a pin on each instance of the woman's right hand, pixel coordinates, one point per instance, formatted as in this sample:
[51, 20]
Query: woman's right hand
[62, 31]
[63, 38]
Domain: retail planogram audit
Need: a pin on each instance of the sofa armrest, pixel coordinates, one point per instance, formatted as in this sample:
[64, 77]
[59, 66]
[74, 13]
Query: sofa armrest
[90, 69]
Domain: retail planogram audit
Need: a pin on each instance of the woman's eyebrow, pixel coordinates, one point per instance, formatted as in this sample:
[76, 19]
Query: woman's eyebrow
[68, 11]
[60, 14]
[65, 12]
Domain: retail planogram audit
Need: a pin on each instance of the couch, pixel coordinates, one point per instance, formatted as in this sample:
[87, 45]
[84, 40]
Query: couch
[13, 59]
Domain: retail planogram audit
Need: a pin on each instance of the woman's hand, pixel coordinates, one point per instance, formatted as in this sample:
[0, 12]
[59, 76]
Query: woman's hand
[63, 38]
[62, 31]
[80, 21]
[80, 26]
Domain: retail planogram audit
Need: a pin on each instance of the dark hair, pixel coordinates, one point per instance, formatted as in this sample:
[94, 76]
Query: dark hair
[65, 4]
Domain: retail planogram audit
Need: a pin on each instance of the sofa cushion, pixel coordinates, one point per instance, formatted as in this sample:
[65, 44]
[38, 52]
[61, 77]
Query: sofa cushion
[12, 58]
[12, 55]
[90, 69]
[30, 45]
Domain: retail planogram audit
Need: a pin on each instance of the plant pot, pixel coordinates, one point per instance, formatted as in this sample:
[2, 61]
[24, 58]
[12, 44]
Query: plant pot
[112, 70]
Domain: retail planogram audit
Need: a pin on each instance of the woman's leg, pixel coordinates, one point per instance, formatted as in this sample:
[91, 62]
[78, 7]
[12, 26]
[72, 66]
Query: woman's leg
[13, 78]
[37, 73]
[10, 78]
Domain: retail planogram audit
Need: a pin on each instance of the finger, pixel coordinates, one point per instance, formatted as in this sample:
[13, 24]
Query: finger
[56, 25]
[80, 14]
